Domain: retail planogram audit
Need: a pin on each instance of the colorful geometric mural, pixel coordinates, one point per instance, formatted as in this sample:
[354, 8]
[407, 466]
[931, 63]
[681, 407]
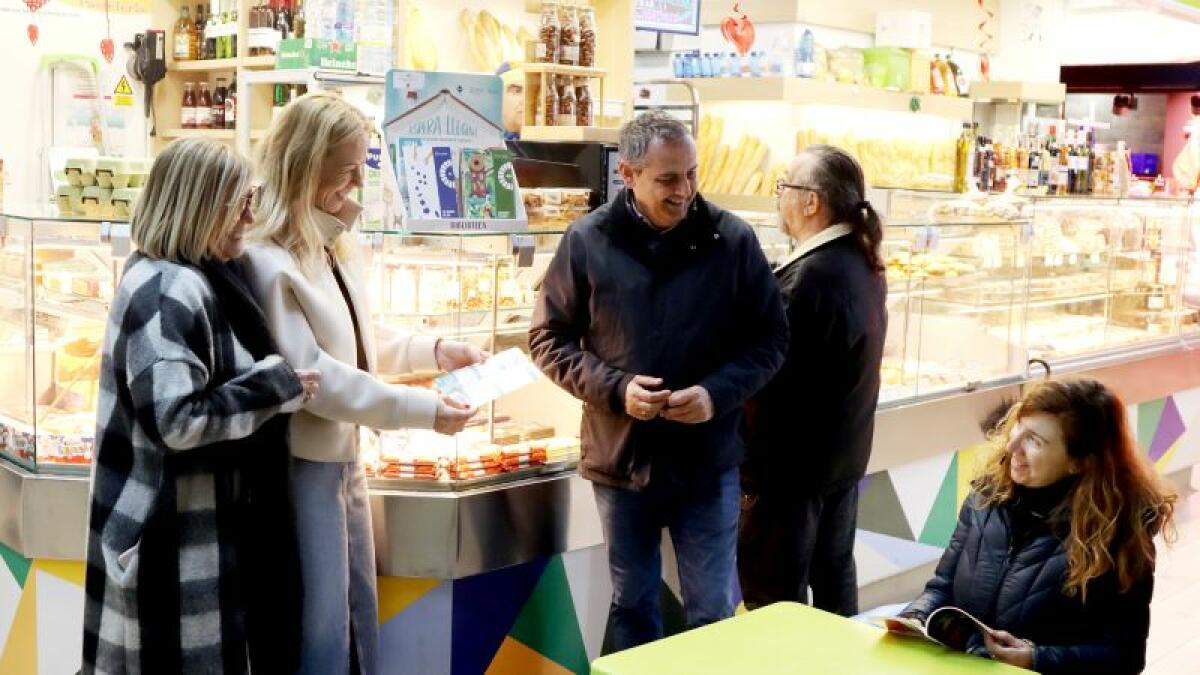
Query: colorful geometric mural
[548, 617]
[918, 504]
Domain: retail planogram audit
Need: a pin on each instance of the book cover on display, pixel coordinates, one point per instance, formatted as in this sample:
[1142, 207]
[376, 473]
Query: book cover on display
[446, 156]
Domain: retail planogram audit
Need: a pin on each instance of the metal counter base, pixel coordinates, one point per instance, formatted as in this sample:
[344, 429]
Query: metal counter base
[451, 535]
[43, 516]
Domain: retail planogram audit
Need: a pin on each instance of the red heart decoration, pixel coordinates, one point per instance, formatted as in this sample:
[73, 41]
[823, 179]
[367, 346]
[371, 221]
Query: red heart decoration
[32, 31]
[738, 31]
[35, 5]
[107, 49]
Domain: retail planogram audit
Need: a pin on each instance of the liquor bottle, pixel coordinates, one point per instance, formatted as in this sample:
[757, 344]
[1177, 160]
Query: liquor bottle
[255, 22]
[218, 104]
[187, 111]
[183, 36]
[1064, 163]
[298, 27]
[962, 158]
[1072, 162]
[279, 100]
[204, 108]
[198, 31]
[231, 106]
[1034, 176]
[232, 39]
[1052, 163]
[223, 50]
[283, 20]
[210, 35]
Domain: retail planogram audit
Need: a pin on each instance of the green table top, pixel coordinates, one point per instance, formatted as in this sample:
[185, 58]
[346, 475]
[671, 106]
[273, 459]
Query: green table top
[787, 638]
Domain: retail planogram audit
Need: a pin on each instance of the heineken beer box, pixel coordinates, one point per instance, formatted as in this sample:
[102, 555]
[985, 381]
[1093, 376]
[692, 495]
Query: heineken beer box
[296, 53]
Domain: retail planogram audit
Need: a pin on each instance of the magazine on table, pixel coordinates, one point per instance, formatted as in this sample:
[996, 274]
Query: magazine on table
[947, 626]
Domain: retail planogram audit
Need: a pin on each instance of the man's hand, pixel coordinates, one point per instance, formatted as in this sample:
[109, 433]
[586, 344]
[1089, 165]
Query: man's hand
[1006, 648]
[689, 406]
[642, 401]
[452, 355]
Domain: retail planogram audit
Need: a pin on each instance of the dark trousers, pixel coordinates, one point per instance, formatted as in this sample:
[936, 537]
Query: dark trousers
[703, 526]
[790, 542]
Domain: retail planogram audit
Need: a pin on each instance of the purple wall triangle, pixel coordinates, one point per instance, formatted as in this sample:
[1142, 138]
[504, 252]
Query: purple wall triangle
[1170, 429]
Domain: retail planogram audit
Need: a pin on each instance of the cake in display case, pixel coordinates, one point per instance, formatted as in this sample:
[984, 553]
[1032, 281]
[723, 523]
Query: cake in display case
[57, 275]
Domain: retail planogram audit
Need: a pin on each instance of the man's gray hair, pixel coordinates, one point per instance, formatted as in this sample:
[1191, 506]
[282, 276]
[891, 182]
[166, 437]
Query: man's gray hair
[638, 134]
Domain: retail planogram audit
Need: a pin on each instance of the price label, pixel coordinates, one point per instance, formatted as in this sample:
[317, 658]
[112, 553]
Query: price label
[119, 239]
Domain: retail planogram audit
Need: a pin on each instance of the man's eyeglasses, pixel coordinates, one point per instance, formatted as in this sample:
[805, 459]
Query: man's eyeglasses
[780, 186]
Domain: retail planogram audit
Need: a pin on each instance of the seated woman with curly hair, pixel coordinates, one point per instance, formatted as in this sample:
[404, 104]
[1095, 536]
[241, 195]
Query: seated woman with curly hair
[1054, 547]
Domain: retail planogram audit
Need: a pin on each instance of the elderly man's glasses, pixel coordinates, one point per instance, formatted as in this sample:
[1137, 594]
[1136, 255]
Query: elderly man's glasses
[780, 186]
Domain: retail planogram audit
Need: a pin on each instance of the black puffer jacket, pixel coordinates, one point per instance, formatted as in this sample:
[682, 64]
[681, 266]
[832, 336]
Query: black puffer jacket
[1007, 567]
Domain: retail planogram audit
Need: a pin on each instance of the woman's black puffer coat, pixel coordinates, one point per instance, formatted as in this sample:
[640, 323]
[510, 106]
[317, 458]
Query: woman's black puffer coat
[1006, 565]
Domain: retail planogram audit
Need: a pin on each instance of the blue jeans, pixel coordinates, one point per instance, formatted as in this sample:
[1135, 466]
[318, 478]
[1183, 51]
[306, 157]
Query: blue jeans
[703, 526]
[337, 564]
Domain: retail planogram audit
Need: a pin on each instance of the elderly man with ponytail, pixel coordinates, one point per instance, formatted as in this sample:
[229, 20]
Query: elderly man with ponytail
[811, 427]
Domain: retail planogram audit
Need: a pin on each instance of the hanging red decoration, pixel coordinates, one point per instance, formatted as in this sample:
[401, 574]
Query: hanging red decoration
[985, 26]
[738, 31]
[107, 49]
[32, 30]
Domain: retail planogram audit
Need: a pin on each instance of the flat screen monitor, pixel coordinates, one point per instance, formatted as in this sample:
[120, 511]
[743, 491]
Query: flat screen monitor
[667, 16]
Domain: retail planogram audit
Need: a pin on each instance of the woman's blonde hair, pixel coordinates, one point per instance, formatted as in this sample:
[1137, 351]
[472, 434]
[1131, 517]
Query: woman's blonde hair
[190, 201]
[1118, 503]
[290, 161]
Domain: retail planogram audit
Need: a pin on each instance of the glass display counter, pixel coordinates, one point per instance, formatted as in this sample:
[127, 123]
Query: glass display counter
[57, 275]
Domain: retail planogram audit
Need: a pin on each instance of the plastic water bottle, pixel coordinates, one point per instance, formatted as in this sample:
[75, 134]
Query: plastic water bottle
[706, 62]
[375, 53]
[756, 64]
[733, 64]
[805, 65]
[343, 28]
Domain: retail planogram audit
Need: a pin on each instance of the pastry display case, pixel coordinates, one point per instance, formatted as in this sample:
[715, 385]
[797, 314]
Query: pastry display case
[980, 285]
[478, 288]
[57, 275]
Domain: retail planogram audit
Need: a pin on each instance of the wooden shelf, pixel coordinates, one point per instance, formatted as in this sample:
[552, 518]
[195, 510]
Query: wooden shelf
[571, 134]
[203, 66]
[800, 91]
[756, 203]
[557, 69]
[259, 61]
[215, 134]
[1019, 92]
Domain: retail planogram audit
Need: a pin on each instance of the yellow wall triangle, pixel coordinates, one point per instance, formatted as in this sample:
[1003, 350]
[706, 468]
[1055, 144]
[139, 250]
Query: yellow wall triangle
[969, 463]
[20, 651]
[1165, 461]
[515, 658]
[397, 593]
[68, 570]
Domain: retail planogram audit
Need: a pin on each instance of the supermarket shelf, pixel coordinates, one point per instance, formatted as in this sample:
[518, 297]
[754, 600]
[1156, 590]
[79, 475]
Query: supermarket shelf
[308, 76]
[57, 305]
[215, 134]
[571, 134]
[203, 66]
[743, 202]
[557, 69]
[259, 61]
[1018, 303]
[1019, 92]
[800, 91]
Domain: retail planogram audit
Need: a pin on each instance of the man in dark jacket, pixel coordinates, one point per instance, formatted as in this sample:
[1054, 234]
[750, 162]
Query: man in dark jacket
[660, 313]
[814, 422]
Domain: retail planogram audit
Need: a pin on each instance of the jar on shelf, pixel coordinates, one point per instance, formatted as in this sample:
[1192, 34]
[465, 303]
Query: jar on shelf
[566, 107]
[546, 50]
[587, 37]
[583, 104]
[550, 103]
[568, 37]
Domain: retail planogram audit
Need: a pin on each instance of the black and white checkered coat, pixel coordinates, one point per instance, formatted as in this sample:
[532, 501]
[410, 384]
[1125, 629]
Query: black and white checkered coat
[177, 390]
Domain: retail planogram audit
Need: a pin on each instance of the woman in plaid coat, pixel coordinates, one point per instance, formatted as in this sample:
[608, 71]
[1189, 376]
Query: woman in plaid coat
[188, 568]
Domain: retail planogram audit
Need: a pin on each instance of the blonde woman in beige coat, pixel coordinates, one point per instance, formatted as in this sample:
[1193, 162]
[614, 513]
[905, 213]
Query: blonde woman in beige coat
[302, 267]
